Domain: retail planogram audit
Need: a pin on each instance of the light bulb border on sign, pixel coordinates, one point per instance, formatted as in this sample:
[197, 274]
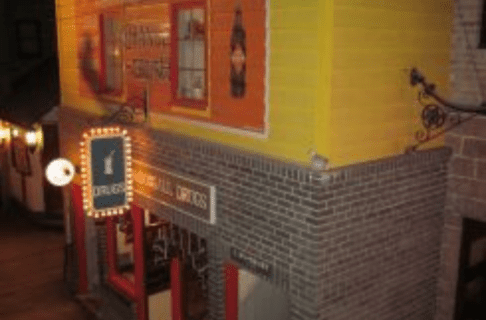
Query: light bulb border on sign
[85, 144]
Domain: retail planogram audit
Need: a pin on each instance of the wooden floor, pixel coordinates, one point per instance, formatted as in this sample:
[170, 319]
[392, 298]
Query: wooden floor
[31, 274]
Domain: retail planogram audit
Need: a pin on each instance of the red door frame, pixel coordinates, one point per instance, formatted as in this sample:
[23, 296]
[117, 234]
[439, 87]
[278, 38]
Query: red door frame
[133, 290]
[136, 290]
[79, 237]
[176, 289]
[231, 292]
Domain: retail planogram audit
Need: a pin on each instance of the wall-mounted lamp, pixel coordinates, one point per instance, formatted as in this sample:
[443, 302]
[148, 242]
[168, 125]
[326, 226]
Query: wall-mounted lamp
[60, 172]
[4, 135]
[319, 165]
[31, 140]
[15, 132]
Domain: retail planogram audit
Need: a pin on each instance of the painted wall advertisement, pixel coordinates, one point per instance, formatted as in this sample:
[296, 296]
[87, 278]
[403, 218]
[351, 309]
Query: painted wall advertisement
[183, 59]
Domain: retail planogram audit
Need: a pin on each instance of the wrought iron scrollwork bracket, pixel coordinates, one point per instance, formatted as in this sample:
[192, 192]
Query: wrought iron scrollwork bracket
[438, 115]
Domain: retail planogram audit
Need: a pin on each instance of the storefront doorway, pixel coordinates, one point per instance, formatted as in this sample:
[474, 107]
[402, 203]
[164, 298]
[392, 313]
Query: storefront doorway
[471, 286]
[176, 268]
[160, 266]
[251, 297]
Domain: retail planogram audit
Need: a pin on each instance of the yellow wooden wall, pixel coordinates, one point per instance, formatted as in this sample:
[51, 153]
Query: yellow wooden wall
[373, 110]
[338, 76]
[294, 70]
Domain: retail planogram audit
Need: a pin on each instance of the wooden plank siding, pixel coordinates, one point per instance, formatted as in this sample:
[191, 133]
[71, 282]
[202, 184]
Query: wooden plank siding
[374, 112]
[338, 75]
[293, 76]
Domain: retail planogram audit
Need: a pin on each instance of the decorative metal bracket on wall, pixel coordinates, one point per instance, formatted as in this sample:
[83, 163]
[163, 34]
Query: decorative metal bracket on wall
[438, 115]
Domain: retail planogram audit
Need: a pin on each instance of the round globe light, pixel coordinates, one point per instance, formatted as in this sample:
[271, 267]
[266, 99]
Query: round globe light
[31, 138]
[60, 172]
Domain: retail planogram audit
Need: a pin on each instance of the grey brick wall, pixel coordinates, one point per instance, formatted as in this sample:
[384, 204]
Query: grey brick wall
[264, 207]
[468, 63]
[363, 245]
[467, 183]
[380, 236]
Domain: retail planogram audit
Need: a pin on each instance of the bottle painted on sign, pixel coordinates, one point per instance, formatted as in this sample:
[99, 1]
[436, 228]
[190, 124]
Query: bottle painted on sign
[238, 56]
[109, 163]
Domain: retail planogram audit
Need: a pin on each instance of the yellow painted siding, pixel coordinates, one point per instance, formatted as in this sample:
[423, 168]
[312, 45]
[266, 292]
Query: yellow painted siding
[373, 110]
[294, 70]
[323, 131]
[338, 79]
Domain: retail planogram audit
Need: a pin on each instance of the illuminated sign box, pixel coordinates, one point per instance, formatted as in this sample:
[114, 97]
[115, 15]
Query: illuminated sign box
[106, 172]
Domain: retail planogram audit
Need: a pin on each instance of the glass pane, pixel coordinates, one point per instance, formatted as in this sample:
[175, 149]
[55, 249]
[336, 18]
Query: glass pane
[185, 54]
[159, 253]
[185, 89]
[199, 56]
[124, 246]
[27, 30]
[195, 286]
[197, 24]
[30, 46]
[198, 85]
[183, 21]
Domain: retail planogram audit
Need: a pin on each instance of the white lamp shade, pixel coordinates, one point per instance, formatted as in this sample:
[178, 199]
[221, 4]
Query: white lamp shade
[60, 172]
[31, 138]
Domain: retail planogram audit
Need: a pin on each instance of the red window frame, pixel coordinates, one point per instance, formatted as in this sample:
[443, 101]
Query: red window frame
[174, 63]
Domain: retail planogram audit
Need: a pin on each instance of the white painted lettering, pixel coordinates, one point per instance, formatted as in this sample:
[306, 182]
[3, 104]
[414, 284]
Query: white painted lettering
[100, 191]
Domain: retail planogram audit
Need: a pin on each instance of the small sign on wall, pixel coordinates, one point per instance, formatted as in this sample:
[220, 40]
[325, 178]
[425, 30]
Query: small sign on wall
[181, 193]
[249, 262]
[106, 172]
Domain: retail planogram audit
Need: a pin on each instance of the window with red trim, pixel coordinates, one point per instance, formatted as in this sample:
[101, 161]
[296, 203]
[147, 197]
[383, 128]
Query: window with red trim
[189, 55]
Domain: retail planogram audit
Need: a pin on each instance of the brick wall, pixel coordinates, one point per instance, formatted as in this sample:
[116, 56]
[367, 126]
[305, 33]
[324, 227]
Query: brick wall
[466, 199]
[264, 207]
[467, 172]
[380, 233]
[362, 245]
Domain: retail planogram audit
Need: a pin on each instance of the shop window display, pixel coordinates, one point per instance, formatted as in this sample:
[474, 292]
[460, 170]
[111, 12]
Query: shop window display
[166, 241]
[124, 246]
[195, 279]
[159, 253]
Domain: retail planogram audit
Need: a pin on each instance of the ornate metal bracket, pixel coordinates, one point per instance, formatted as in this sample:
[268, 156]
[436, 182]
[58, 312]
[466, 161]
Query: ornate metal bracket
[438, 115]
